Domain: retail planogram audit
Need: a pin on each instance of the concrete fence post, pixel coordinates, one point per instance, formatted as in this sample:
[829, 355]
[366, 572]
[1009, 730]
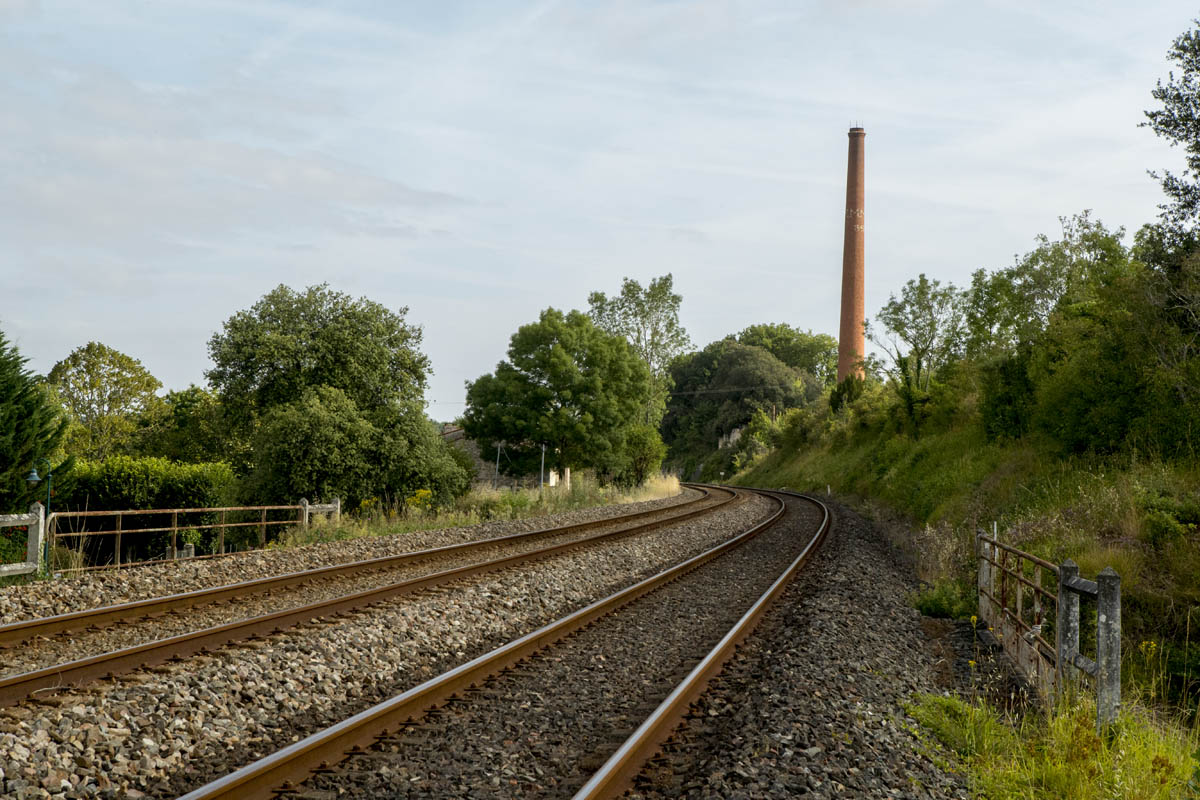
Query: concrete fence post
[36, 535]
[337, 510]
[304, 513]
[1108, 649]
[1067, 628]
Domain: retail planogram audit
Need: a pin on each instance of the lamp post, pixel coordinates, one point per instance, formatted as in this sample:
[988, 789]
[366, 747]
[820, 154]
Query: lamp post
[34, 479]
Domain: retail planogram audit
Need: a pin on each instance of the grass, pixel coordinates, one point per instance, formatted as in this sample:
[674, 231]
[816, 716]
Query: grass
[479, 505]
[1063, 756]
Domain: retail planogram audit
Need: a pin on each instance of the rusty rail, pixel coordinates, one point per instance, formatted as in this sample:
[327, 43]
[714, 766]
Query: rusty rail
[16, 633]
[617, 775]
[18, 687]
[280, 771]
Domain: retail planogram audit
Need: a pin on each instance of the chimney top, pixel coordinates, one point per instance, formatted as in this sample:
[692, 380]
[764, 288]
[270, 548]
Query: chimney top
[857, 130]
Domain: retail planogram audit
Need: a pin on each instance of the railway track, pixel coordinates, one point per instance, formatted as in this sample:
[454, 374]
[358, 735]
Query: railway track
[392, 576]
[577, 706]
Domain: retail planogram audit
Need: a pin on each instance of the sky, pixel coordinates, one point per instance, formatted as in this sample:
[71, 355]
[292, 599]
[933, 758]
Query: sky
[163, 163]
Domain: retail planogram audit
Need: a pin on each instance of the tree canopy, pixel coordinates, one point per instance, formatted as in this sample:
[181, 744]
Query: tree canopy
[104, 391]
[814, 353]
[290, 341]
[31, 428]
[567, 385]
[720, 388]
[648, 318]
[327, 393]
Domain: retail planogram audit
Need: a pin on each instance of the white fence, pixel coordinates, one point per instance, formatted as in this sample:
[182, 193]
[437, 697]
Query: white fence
[34, 524]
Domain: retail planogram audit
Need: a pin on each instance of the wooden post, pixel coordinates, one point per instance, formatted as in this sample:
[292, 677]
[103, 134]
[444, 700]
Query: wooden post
[304, 513]
[174, 533]
[1067, 629]
[1108, 650]
[262, 530]
[221, 534]
[117, 554]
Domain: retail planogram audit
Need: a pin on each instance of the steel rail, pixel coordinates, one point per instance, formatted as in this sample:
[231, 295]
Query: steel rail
[16, 633]
[16, 688]
[281, 771]
[618, 774]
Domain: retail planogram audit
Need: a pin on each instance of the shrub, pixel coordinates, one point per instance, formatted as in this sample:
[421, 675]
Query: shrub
[124, 482]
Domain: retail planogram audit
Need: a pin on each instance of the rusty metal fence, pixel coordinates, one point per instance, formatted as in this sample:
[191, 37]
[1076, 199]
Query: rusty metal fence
[1022, 597]
[74, 530]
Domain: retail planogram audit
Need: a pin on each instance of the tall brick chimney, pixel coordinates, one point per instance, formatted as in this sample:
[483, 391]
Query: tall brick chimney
[852, 346]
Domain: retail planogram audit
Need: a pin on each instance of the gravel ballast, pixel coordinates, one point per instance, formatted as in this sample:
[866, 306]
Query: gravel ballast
[171, 729]
[540, 730]
[79, 644]
[109, 587]
[812, 706]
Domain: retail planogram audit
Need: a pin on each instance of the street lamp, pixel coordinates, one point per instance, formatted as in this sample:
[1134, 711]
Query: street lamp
[34, 479]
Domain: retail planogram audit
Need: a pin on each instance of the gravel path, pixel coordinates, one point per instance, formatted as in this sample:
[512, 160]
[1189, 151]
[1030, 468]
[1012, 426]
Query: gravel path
[812, 704]
[108, 587]
[171, 729]
[80, 644]
[542, 729]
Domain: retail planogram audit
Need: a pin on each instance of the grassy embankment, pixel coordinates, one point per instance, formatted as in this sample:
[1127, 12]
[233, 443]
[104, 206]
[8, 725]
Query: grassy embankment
[481, 504]
[1137, 515]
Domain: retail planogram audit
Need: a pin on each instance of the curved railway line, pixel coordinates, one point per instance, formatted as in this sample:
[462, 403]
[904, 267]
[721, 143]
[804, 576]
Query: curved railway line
[574, 707]
[279, 602]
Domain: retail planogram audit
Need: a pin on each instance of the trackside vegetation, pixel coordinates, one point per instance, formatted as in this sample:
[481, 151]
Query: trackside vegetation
[1057, 399]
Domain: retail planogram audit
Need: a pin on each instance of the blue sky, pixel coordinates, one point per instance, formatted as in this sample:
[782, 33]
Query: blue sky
[164, 164]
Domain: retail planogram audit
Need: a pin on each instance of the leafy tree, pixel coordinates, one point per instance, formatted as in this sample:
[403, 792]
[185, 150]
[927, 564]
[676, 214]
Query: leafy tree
[104, 391]
[567, 384]
[814, 353]
[290, 341]
[1178, 121]
[644, 454]
[1010, 308]
[928, 319]
[648, 318]
[31, 428]
[328, 390]
[720, 388]
[189, 426]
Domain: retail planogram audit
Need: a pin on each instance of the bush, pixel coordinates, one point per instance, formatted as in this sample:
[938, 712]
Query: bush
[124, 482]
[945, 599]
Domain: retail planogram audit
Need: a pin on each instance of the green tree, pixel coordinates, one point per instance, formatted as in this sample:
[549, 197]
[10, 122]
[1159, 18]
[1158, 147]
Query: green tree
[644, 454]
[188, 426]
[814, 353]
[328, 390]
[719, 389]
[104, 391]
[31, 428]
[291, 341]
[922, 330]
[648, 318]
[1178, 121]
[567, 384]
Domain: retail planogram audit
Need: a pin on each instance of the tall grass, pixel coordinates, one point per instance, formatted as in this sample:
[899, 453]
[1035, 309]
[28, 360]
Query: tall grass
[481, 504]
[1040, 758]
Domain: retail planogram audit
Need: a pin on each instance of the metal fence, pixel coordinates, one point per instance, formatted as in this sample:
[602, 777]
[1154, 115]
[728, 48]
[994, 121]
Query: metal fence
[76, 530]
[1017, 591]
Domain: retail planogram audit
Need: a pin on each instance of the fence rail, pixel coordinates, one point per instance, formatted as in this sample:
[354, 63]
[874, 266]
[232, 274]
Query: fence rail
[298, 515]
[1013, 599]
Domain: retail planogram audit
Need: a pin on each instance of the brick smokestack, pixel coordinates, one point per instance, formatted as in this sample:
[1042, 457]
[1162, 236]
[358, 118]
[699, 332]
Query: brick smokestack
[852, 346]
